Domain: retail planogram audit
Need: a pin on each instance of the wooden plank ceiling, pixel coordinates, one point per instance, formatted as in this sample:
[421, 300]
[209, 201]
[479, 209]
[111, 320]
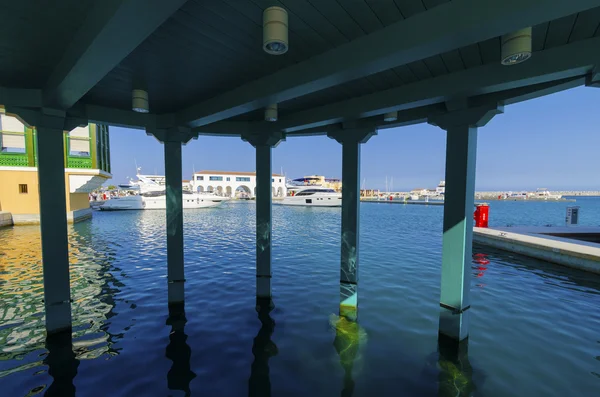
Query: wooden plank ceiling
[222, 43]
[33, 37]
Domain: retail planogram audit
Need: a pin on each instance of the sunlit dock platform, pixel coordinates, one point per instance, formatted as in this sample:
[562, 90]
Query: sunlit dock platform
[417, 202]
[575, 247]
[5, 219]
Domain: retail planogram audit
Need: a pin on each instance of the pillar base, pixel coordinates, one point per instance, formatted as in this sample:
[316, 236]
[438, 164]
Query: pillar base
[62, 364]
[58, 318]
[176, 292]
[349, 301]
[263, 287]
[264, 305]
[176, 315]
[453, 324]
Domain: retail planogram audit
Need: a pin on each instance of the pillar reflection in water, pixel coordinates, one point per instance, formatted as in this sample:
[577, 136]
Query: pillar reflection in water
[180, 375]
[263, 349]
[62, 365]
[456, 374]
[349, 338]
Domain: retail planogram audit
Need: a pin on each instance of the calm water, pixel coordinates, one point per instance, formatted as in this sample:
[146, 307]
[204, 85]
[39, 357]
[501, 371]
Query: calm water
[535, 327]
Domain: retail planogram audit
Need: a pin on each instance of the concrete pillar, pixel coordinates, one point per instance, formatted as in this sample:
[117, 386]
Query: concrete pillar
[175, 267]
[263, 221]
[351, 141]
[461, 148]
[263, 145]
[459, 197]
[53, 223]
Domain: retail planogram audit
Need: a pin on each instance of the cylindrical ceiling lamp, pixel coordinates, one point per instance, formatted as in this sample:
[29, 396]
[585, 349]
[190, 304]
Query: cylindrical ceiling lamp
[139, 101]
[275, 31]
[516, 47]
[391, 116]
[271, 113]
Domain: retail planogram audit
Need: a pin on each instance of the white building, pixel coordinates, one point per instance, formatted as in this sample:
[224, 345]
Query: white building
[234, 184]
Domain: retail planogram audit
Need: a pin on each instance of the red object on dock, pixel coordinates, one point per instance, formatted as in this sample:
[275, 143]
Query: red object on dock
[481, 215]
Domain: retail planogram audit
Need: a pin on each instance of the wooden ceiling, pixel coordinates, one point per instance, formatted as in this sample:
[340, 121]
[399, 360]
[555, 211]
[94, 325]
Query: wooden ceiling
[33, 37]
[211, 46]
[208, 47]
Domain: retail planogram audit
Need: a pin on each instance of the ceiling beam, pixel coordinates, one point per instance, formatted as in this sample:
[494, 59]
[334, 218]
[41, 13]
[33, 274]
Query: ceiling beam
[21, 97]
[113, 117]
[443, 28]
[572, 60]
[224, 128]
[422, 114]
[111, 31]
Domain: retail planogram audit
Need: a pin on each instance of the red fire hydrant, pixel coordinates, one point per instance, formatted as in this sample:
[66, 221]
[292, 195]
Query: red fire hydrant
[481, 215]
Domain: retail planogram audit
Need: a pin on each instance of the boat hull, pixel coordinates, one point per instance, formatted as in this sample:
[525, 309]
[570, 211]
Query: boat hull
[193, 201]
[313, 201]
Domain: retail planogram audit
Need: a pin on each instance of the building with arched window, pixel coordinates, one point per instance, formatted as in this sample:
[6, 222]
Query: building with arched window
[235, 184]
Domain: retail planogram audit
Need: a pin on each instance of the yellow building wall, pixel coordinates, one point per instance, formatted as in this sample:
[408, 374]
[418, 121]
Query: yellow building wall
[10, 198]
[28, 203]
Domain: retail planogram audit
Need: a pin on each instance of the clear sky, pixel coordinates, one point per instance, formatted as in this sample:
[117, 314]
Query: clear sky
[551, 142]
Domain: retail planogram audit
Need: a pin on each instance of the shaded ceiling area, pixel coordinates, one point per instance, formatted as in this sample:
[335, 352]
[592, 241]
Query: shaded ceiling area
[195, 57]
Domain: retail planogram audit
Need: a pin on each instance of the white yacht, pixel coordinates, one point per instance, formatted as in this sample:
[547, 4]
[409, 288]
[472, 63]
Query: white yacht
[309, 194]
[544, 194]
[313, 196]
[517, 196]
[148, 193]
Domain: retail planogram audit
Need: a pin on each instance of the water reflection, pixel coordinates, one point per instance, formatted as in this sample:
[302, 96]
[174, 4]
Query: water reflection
[62, 365]
[479, 267]
[455, 377]
[349, 337]
[180, 375]
[95, 284]
[263, 348]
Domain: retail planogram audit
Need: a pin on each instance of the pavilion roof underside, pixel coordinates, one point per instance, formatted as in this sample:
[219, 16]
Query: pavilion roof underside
[202, 63]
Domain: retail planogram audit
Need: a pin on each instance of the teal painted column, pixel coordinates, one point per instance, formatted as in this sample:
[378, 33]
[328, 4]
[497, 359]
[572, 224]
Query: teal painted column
[461, 121]
[175, 262]
[351, 141]
[350, 229]
[263, 143]
[264, 221]
[53, 224]
[461, 149]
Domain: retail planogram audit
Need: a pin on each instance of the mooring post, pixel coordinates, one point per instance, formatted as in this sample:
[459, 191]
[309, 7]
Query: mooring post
[53, 220]
[459, 200]
[264, 222]
[351, 140]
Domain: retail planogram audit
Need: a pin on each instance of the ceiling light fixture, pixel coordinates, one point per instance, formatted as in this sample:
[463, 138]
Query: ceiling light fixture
[139, 101]
[271, 113]
[391, 116]
[275, 31]
[516, 47]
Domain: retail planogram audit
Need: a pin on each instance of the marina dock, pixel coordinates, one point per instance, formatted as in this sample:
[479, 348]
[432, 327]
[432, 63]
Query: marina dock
[417, 202]
[575, 247]
[5, 219]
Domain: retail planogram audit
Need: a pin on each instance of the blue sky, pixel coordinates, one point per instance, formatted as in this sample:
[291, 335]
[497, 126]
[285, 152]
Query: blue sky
[551, 142]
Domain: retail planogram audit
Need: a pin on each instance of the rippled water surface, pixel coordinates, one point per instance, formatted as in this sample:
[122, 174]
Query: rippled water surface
[535, 327]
